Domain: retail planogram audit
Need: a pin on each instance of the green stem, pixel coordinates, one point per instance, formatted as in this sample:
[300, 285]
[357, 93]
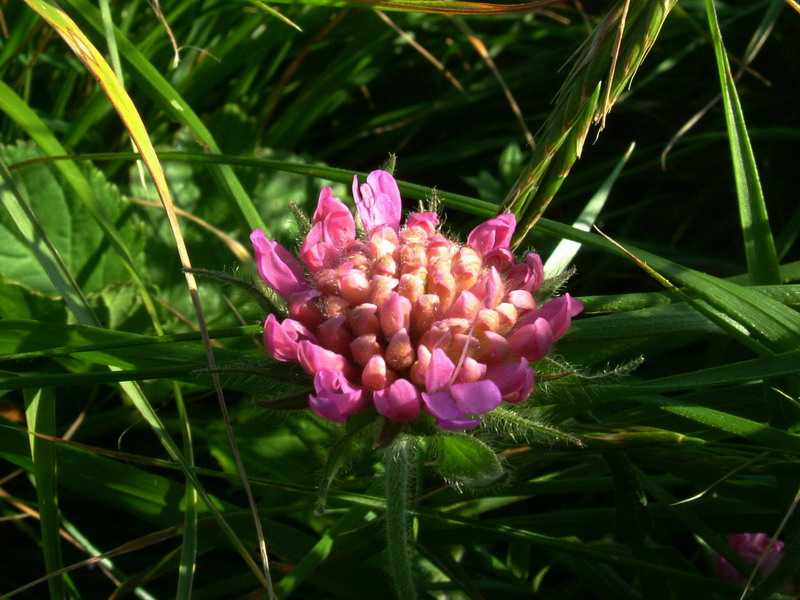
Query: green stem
[399, 459]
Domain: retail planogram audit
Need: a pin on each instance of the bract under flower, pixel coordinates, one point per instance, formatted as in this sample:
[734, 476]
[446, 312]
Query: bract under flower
[406, 319]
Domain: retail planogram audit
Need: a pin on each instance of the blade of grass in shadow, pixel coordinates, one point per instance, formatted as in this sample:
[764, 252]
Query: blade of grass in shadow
[565, 251]
[41, 418]
[409, 190]
[99, 68]
[188, 556]
[762, 261]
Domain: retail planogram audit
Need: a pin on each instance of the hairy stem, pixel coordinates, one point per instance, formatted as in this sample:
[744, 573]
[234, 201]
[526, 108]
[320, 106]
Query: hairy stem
[399, 459]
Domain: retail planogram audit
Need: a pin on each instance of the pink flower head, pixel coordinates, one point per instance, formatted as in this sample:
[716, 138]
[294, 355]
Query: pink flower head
[752, 547]
[405, 319]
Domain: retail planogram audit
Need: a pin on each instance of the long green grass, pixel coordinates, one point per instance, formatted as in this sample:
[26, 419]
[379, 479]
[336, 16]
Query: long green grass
[148, 446]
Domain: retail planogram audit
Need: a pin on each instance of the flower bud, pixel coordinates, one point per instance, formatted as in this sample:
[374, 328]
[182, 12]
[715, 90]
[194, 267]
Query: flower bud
[395, 314]
[375, 375]
[335, 334]
[364, 347]
[399, 353]
[364, 319]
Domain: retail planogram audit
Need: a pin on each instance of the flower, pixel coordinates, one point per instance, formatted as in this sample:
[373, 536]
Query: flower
[405, 319]
[752, 547]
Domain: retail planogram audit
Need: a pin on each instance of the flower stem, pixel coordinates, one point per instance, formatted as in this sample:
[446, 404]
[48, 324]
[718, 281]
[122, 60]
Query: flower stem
[399, 459]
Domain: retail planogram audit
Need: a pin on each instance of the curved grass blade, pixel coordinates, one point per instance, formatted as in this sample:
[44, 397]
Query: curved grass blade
[438, 7]
[762, 260]
[100, 69]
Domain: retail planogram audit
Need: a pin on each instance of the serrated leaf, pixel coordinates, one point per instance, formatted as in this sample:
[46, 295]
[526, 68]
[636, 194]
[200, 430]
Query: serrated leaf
[69, 226]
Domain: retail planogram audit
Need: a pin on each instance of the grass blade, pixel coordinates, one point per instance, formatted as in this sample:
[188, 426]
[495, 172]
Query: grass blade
[562, 256]
[762, 261]
[100, 69]
[40, 413]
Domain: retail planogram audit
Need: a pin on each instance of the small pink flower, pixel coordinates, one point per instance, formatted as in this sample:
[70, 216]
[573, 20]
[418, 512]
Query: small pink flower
[277, 266]
[336, 398]
[378, 201]
[493, 234]
[399, 401]
[281, 339]
[405, 319]
[752, 547]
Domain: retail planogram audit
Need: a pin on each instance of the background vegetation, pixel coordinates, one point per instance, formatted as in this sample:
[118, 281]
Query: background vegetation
[679, 414]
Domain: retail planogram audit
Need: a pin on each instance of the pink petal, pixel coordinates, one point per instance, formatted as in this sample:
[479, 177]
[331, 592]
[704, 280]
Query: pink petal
[528, 276]
[277, 266]
[338, 225]
[427, 221]
[559, 312]
[442, 405]
[494, 233]
[476, 398]
[378, 201]
[400, 401]
[440, 369]
[532, 341]
[281, 339]
[457, 424]
[335, 397]
[515, 380]
[501, 259]
[314, 358]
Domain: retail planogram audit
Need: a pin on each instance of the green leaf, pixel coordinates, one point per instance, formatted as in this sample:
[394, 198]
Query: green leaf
[465, 461]
[70, 227]
[47, 257]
